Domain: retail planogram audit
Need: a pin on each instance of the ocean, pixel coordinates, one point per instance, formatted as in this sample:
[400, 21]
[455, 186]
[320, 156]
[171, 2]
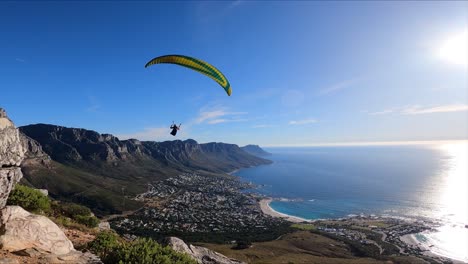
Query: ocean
[426, 181]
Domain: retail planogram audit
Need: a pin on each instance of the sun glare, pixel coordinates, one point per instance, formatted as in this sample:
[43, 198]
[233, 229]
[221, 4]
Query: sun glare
[454, 49]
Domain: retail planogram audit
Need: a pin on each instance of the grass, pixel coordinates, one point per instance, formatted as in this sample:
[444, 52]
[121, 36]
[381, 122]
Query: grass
[104, 195]
[296, 247]
[304, 226]
[302, 246]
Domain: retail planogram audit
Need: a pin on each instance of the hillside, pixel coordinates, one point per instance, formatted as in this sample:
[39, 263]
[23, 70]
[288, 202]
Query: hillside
[103, 172]
[255, 150]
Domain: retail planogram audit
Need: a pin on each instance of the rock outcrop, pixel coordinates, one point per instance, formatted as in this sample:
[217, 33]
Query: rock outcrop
[11, 156]
[33, 151]
[200, 254]
[25, 230]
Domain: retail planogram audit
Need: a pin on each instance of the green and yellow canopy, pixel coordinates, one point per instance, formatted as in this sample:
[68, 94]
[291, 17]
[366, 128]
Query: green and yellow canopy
[194, 64]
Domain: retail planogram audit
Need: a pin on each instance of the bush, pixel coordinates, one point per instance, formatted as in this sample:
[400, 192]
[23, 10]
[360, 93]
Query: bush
[30, 199]
[242, 245]
[89, 221]
[111, 249]
[104, 243]
[72, 209]
[80, 214]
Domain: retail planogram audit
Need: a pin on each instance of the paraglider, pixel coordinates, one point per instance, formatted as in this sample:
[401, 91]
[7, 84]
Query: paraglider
[175, 128]
[194, 64]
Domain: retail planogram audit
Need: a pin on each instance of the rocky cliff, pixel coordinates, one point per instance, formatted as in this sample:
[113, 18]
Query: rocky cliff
[33, 151]
[11, 156]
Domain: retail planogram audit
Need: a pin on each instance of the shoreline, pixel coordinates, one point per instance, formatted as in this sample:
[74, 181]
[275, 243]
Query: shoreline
[412, 241]
[232, 172]
[409, 239]
[266, 209]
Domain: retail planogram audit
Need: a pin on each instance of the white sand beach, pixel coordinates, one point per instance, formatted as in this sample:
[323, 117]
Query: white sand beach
[266, 209]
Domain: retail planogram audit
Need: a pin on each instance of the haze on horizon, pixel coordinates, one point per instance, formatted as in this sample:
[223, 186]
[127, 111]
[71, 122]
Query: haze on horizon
[302, 73]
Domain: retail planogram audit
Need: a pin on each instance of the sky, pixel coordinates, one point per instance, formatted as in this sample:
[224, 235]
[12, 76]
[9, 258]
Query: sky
[302, 73]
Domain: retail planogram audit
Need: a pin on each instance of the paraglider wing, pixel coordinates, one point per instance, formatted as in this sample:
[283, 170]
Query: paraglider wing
[194, 64]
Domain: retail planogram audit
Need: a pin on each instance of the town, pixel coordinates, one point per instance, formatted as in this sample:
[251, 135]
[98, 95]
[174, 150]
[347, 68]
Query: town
[201, 207]
[377, 236]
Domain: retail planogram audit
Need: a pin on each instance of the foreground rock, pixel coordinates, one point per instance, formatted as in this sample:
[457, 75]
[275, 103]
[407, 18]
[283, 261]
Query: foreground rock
[11, 156]
[37, 237]
[25, 230]
[200, 254]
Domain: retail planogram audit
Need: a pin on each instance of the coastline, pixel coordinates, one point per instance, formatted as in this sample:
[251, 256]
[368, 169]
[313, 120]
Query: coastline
[409, 239]
[266, 209]
[412, 241]
[232, 172]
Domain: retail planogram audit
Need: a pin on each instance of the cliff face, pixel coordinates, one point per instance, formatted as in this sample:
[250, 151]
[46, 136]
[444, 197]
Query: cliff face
[33, 151]
[76, 146]
[73, 144]
[11, 156]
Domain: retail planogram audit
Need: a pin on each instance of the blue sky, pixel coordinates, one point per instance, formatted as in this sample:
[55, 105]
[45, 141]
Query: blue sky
[301, 72]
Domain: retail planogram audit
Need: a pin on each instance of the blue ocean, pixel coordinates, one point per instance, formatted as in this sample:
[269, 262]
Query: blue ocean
[416, 181]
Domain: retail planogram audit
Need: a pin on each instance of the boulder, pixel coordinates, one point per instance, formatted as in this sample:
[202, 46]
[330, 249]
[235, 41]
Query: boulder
[74, 257]
[200, 254]
[24, 230]
[8, 261]
[104, 225]
[42, 257]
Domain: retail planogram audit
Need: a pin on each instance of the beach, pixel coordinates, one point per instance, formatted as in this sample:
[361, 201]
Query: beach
[266, 209]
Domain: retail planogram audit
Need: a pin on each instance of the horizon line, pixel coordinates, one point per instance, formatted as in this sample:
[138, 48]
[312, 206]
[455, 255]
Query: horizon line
[372, 143]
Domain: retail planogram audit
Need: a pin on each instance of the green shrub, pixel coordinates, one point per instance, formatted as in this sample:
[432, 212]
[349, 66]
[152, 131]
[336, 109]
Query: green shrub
[148, 251]
[104, 243]
[29, 198]
[78, 213]
[89, 221]
[142, 251]
[72, 209]
[243, 244]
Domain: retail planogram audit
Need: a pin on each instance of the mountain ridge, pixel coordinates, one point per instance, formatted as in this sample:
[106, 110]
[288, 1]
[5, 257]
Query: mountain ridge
[104, 172]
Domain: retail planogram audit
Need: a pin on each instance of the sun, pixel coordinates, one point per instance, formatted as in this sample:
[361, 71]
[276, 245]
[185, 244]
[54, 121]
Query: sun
[454, 49]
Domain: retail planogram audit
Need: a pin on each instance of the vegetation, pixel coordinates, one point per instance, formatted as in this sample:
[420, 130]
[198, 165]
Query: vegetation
[79, 213]
[30, 199]
[104, 244]
[242, 244]
[111, 249]
[104, 195]
[303, 226]
[248, 234]
[296, 247]
[65, 214]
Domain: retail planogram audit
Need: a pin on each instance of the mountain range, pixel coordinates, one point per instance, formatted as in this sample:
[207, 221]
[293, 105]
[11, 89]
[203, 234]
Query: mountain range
[104, 173]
